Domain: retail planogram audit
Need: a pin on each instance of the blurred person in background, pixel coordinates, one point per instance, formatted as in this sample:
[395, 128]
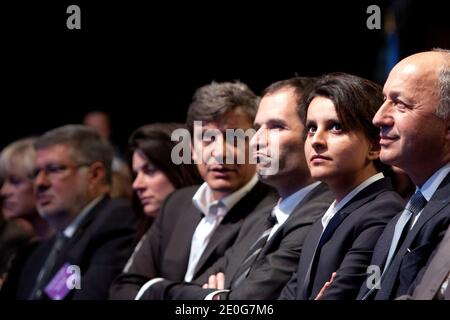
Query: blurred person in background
[121, 177]
[156, 175]
[20, 223]
[94, 233]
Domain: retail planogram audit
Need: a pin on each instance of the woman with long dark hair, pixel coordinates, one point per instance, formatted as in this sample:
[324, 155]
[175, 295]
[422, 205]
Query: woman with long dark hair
[156, 175]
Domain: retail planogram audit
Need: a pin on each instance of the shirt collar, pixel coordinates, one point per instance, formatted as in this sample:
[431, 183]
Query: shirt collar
[202, 199]
[431, 185]
[339, 205]
[73, 226]
[336, 206]
[286, 206]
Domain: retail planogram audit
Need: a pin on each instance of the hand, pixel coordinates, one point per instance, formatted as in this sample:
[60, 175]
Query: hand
[325, 286]
[215, 281]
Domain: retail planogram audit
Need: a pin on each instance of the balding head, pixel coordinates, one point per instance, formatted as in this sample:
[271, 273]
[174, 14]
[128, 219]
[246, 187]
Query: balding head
[415, 117]
[430, 72]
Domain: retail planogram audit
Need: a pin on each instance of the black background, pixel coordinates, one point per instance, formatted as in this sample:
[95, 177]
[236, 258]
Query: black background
[142, 62]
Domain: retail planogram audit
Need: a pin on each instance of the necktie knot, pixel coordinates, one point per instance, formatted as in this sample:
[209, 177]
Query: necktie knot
[271, 220]
[405, 224]
[416, 203]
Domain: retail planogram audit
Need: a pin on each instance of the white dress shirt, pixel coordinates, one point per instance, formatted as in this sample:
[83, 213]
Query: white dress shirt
[286, 206]
[213, 213]
[282, 212]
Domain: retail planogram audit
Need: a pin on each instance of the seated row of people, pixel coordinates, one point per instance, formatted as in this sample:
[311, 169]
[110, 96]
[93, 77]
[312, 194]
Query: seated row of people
[327, 223]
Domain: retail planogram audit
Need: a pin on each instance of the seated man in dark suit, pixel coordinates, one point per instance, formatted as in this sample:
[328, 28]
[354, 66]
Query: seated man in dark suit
[94, 237]
[197, 224]
[269, 244]
[415, 123]
[435, 281]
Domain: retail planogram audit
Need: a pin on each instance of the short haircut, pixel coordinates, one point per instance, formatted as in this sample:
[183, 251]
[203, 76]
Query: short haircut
[443, 109]
[213, 100]
[154, 142]
[86, 145]
[19, 155]
[298, 84]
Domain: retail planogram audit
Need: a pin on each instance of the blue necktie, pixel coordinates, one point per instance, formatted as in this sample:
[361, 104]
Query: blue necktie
[404, 223]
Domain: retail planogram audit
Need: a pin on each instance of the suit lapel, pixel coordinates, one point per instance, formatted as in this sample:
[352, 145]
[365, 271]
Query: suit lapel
[439, 200]
[238, 212]
[380, 253]
[436, 272]
[186, 226]
[361, 198]
[437, 203]
[66, 248]
[256, 231]
[298, 211]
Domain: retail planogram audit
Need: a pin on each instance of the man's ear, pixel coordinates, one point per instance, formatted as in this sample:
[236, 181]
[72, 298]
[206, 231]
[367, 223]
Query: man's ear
[97, 172]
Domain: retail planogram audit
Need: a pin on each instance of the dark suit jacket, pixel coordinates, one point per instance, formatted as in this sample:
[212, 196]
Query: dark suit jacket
[12, 238]
[100, 247]
[436, 273]
[275, 263]
[164, 250]
[416, 249]
[349, 250]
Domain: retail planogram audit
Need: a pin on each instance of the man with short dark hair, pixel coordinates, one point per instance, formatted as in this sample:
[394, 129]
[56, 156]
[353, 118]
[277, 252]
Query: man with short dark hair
[94, 237]
[197, 224]
[269, 244]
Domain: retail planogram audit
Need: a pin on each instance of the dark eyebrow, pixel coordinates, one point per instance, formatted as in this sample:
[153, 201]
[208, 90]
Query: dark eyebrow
[276, 121]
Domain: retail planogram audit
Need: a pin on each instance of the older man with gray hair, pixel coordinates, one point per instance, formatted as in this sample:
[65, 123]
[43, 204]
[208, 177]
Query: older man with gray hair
[72, 178]
[414, 123]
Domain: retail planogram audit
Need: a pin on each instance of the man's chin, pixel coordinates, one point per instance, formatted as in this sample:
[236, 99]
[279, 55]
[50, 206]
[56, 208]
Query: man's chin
[9, 214]
[223, 188]
[389, 159]
[48, 211]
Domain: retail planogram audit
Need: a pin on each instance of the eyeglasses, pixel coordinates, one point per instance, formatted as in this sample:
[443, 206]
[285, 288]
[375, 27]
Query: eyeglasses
[54, 170]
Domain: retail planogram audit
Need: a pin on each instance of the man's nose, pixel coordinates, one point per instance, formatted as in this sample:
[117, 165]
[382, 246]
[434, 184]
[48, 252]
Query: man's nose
[259, 139]
[383, 116]
[41, 180]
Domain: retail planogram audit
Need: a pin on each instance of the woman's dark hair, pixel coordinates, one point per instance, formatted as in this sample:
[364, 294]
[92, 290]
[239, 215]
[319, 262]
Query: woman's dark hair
[356, 101]
[154, 142]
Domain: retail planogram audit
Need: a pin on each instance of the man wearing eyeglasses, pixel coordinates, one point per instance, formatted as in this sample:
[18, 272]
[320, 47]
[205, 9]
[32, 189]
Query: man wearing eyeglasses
[72, 179]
